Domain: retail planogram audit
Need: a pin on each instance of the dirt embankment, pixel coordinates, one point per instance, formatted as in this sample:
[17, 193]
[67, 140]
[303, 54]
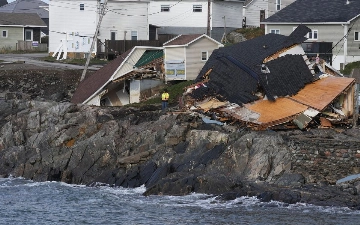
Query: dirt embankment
[24, 81]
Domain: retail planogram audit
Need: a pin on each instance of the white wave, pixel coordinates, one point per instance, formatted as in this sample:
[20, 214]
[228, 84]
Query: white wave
[124, 191]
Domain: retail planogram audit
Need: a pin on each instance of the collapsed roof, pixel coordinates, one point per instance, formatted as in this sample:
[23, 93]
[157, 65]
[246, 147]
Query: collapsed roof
[269, 81]
[237, 72]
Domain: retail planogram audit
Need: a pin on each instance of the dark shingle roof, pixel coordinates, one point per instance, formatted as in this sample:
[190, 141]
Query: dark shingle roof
[96, 80]
[306, 11]
[25, 19]
[148, 56]
[3, 2]
[236, 70]
[247, 2]
[182, 39]
[26, 6]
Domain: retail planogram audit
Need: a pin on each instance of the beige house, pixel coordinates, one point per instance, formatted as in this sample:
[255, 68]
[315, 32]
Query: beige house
[185, 55]
[15, 27]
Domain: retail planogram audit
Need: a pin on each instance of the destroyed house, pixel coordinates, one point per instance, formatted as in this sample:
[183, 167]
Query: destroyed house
[269, 82]
[237, 72]
[135, 75]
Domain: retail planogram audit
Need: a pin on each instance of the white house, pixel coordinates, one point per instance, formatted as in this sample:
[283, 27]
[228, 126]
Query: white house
[196, 16]
[256, 11]
[73, 23]
[334, 28]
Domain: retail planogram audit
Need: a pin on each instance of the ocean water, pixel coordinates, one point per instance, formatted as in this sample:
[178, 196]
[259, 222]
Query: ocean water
[26, 202]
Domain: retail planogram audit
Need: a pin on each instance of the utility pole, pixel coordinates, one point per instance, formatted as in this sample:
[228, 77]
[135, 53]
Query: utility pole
[102, 13]
[224, 36]
[208, 18]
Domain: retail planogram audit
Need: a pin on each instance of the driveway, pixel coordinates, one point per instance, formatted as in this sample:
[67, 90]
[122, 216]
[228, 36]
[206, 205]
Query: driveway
[35, 59]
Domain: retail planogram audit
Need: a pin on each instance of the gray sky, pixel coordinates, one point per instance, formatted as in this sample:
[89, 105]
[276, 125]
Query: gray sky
[47, 1]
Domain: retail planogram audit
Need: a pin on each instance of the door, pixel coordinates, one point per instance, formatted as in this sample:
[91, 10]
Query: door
[28, 35]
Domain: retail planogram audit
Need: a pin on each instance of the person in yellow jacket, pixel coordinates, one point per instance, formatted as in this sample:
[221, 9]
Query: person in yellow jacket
[164, 99]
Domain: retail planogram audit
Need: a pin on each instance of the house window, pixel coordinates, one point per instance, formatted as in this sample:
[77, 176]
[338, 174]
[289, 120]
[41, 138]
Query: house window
[134, 35]
[204, 56]
[356, 38]
[82, 6]
[275, 31]
[312, 35]
[165, 8]
[197, 8]
[4, 34]
[278, 5]
[28, 35]
[113, 35]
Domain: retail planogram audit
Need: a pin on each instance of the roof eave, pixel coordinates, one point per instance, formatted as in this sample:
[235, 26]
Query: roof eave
[13, 25]
[354, 18]
[171, 39]
[204, 35]
[296, 23]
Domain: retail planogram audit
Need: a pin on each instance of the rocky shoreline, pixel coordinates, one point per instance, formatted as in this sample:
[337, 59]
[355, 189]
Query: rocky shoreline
[175, 153]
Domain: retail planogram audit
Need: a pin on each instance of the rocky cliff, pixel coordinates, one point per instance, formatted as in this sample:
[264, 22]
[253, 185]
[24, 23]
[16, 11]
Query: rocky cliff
[175, 153]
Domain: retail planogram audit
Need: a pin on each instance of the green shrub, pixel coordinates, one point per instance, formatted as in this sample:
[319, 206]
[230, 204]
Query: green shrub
[349, 67]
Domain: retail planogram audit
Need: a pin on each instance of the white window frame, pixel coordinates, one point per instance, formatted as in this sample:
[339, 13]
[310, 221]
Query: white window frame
[82, 6]
[197, 8]
[357, 33]
[134, 33]
[165, 8]
[274, 31]
[6, 33]
[312, 33]
[32, 35]
[206, 55]
[278, 5]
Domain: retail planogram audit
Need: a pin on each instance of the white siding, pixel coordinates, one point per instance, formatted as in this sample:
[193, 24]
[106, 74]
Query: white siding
[130, 62]
[252, 12]
[180, 15]
[66, 16]
[125, 17]
[134, 91]
[174, 53]
[193, 56]
[232, 12]
[296, 50]
[94, 101]
[272, 6]
[354, 46]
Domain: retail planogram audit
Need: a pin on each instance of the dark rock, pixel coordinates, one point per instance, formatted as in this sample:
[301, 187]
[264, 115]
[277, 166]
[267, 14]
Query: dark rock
[173, 154]
[289, 179]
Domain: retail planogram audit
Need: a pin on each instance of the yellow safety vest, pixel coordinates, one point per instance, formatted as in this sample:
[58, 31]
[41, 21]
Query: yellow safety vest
[165, 96]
